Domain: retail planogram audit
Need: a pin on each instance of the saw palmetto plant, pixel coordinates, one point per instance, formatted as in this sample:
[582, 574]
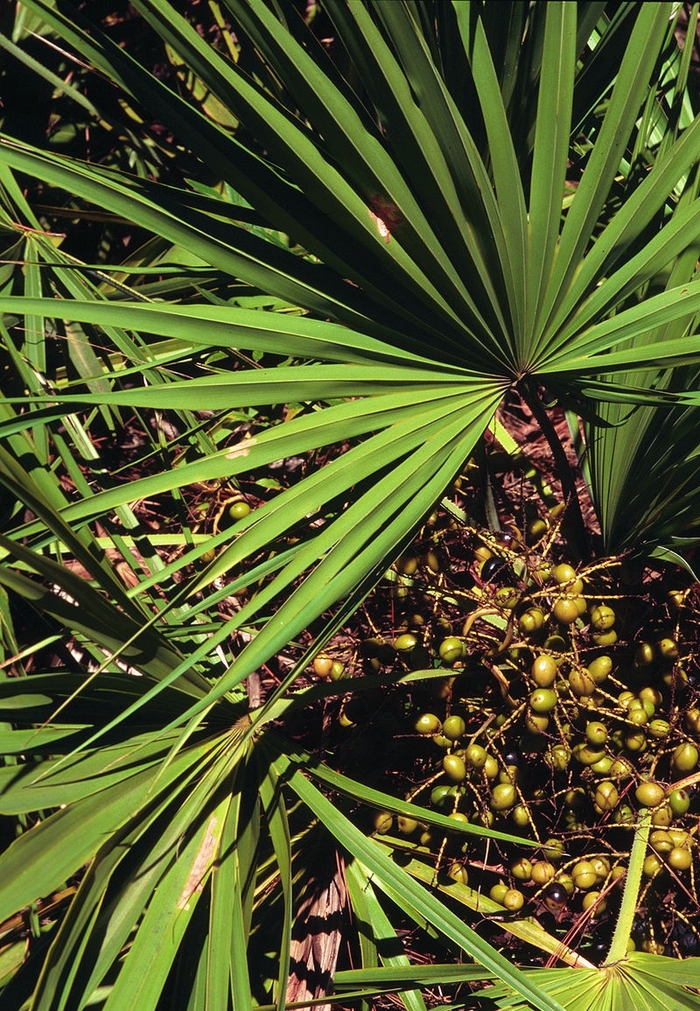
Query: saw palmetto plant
[356, 229]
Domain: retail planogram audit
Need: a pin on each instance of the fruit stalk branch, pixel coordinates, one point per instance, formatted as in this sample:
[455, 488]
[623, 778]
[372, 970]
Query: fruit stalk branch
[573, 518]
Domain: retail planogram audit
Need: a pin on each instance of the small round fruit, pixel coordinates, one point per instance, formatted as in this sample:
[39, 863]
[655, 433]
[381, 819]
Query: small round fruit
[531, 621]
[668, 648]
[679, 802]
[649, 793]
[599, 668]
[608, 638]
[544, 670]
[636, 741]
[458, 873]
[520, 816]
[406, 642]
[475, 756]
[651, 866]
[650, 694]
[566, 610]
[491, 768]
[644, 654]
[498, 892]
[596, 733]
[503, 797]
[602, 618]
[441, 796]
[428, 724]
[239, 510]
[606, 796]
[581, 683]
[557, 757]
[565, 573]
[685, 757]
[661, 841]
[542, 872]
[680, 858]
[593, 901]
[451, 649]
[555, 896]
[521, 869]
[601, 866]
[383, 822]
[536, 723]
[662, 816]
[454, 768]
[584, 875]
[543, 700]
[692, 721]
[658, 729]
[338, 671]
[406, 825]
[513, 900]
[453, 727]
[322, 665]
[459, 816]
[586, 754]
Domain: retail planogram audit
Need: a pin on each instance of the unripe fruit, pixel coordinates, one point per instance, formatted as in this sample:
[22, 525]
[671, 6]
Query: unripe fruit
[542, 872]
[406, 825]
[584, 875]
[498, 892]
[513, 900]
[668, 648]
[606, 796]
[383, 822]
[521, 869]
[602, 618]
[453, 727]
[679, 858]
[581, 683]
[597, 733]
[239, 510]
[586, 754]
[608, 638]
[454, 768]
[451, 649]
[566, 574]
[566, 610]
[338, 671]
[536, 723]
[503, 797]
[543, 700]
[531, 620]
[658, 729]
[544, 670]
[427, 723]
[679, 802]
[651, 866]
[661, 841]
[649, 793]
[475, 757]
[662, 816]
[520, 816]
[636, 741]
[685, 757]
[601, 866]
[458, 873]
[593, 901]
[490, 766]
[406, 642]
[644, 654]
[599, 668]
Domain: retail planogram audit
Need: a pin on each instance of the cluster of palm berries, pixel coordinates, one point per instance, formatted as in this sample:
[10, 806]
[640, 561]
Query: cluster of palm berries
[556, 702]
